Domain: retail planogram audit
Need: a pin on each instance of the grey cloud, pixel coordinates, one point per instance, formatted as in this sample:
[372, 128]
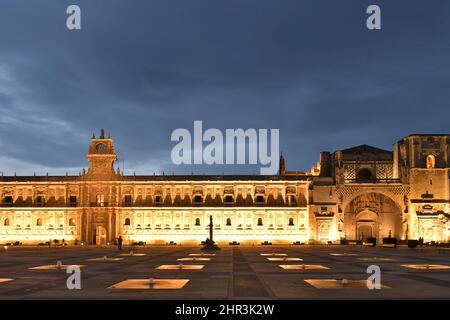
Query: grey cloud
[143, 68]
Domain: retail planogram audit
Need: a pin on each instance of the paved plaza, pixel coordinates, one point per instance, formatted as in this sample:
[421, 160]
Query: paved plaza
[239, 272]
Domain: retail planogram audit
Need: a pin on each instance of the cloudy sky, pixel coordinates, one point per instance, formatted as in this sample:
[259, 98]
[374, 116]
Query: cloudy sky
[142, 68]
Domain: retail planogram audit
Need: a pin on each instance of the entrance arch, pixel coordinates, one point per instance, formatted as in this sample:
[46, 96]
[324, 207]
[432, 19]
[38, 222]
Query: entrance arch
[367, 225]
[372, 214]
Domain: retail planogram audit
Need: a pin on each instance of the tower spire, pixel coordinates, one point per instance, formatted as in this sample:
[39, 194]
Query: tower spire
[282, 166]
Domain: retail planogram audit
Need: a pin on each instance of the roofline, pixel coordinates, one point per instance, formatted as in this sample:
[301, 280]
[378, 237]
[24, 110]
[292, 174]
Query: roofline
[362, 145]
[150, 178]
[428, 135]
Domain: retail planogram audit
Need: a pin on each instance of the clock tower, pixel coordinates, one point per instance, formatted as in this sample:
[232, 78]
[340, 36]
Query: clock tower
[101, 156]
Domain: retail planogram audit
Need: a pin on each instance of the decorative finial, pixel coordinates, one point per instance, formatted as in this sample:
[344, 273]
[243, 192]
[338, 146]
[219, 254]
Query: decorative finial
[109, 135]
[93, 135]
[102, 134]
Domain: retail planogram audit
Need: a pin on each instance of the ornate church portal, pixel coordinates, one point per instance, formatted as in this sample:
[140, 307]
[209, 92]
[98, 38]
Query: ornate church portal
[373, 215]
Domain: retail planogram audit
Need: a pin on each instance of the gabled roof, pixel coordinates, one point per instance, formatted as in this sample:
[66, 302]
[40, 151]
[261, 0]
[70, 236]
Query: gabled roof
[364, 148]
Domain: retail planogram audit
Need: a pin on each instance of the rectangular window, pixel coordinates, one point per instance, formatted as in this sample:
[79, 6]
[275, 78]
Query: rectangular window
[72, 201]
[260, 199]
[228, 199]
[292, 199]
[198, 199]
[100, 200]
[8, 200]
[39, 200]
[158, 199]
[128, 201]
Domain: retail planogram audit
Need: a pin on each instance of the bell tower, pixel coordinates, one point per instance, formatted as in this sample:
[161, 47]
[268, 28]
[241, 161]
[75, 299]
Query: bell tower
[101, 156]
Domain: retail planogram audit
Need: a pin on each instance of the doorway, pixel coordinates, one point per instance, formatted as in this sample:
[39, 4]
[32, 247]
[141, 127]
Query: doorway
[100, 236]
[365, 230]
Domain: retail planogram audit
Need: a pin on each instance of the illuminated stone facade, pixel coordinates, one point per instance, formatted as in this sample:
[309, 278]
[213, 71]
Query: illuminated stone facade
[355, 193]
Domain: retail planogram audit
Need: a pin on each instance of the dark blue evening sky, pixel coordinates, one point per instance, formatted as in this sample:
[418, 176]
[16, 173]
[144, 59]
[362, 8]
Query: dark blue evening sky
[142, 68]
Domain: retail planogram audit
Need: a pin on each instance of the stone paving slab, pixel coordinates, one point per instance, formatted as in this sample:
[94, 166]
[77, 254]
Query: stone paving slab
[235, 272]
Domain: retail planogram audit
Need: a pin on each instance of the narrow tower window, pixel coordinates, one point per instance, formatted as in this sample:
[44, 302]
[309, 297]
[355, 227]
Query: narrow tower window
[431, 161]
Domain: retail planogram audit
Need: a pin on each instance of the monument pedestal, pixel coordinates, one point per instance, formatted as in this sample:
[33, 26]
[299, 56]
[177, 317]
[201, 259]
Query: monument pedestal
[210, 246]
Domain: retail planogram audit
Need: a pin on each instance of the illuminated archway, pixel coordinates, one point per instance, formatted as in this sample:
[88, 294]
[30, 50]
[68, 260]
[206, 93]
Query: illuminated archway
[372, 214]
[431, 161]
[367, 225]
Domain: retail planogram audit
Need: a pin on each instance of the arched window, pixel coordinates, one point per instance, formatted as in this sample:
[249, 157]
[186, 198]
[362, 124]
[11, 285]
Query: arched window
[71, 222]
[127, 221]
[260, 223]
[364, 174]
[228, 221]
[291, 221]
[39, 222]
[197, 221]
[6, 222]
[431, 161]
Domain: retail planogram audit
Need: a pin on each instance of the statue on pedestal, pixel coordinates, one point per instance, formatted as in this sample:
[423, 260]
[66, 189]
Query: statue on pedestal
[209, 243]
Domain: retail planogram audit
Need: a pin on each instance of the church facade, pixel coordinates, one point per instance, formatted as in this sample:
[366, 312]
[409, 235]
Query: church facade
[352, 194]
